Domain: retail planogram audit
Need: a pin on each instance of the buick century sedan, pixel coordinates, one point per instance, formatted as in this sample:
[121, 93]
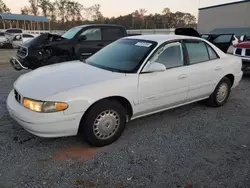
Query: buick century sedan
[130, 78]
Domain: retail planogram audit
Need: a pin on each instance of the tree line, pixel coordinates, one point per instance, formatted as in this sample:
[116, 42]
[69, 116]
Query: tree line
[64, 14]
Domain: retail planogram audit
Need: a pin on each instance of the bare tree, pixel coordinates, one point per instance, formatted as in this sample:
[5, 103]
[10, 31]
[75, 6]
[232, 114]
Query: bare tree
[97, 15]
[45, 6]
[34, 7]
[166, 17]
[74, 10]
[166, 11]
[3, 7]
[52, 11]
[25, 10]
[62, 7]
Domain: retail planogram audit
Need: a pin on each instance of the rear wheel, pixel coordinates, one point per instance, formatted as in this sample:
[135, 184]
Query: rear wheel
[104, 123]
[221, 93]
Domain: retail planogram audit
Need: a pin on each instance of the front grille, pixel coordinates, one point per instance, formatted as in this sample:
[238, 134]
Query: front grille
[22, 51]
[247, 52]
[17, 96]
[238, 51]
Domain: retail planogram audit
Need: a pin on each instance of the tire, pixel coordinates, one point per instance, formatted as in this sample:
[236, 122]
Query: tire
[216, 99]
[107, 117]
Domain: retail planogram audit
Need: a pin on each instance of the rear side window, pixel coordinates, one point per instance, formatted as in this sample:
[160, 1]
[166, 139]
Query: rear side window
[211, 52]
[197, 51]
[27, 36]
[112, 33]
[1, 34]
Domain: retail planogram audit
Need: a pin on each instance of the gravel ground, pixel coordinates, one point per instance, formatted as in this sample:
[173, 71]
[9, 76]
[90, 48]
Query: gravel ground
[191, 146]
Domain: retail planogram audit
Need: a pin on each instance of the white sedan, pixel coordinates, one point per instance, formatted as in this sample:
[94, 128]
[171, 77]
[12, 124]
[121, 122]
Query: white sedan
[130, 78]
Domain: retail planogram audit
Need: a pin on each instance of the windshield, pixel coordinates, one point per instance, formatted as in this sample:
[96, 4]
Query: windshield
[71, 33]
[124, 55]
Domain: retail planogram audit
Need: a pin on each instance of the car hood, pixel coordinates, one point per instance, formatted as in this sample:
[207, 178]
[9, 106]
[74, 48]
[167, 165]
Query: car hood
[49, 80]
[45, 39]
[245, 44]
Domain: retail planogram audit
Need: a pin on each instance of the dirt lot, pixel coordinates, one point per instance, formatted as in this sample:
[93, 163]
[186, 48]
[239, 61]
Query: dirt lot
[4, 57]
[192, 146]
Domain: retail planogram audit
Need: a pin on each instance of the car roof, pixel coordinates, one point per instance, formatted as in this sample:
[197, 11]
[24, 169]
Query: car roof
[99, 25]
[161, 38]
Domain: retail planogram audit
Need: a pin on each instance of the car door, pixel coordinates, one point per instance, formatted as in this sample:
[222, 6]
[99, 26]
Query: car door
[222, 41]
[162, 90]
[92, 44]
[205, 69]
[111, 34]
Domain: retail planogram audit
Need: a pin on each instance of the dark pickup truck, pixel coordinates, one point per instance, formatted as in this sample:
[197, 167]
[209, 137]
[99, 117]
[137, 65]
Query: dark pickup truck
[77, 43]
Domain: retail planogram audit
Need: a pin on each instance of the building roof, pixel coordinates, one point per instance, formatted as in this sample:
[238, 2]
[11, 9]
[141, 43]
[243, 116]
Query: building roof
[6, 16]
[225, 4]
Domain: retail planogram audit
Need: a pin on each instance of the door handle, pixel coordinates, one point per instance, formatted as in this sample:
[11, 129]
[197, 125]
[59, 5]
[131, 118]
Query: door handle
[217, 68]
[183, 76]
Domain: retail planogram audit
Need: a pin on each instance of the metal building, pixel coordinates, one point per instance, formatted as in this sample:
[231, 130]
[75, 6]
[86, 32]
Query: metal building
[230, 15]
[29, 22]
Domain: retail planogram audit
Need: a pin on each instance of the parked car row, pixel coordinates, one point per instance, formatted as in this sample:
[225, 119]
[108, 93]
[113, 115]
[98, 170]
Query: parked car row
[83, 41]
[109, 79]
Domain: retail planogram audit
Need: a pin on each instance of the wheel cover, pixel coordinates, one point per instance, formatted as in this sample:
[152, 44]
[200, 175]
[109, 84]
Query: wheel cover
[106, 124]
[222, 93]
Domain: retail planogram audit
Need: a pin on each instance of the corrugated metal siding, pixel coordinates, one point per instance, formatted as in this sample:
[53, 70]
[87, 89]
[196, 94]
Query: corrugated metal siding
[234, 15]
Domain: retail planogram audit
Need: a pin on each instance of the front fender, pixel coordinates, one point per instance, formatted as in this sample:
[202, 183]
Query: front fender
[81, 98]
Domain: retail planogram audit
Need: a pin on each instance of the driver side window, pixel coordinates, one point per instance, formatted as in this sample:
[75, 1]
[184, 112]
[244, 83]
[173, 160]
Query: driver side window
[93, 34]
[170, 55]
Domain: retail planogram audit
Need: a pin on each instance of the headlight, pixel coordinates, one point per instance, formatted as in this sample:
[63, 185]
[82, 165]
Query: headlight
[43, 106]
[230, 50]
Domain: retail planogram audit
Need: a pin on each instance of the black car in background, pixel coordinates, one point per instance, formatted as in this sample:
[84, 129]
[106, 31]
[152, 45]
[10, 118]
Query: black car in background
[77, 43]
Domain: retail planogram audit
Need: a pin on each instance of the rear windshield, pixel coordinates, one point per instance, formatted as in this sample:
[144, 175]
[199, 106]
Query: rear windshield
[124, 55]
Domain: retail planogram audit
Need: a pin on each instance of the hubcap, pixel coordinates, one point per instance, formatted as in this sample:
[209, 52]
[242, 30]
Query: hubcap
[106, 124]
[222, 92]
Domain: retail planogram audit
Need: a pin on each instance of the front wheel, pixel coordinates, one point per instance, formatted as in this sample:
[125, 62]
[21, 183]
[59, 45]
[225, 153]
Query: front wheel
[221, 93]
[104, 123]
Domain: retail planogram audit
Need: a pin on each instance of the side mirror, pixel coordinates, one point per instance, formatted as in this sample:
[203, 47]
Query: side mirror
[82, 38]
[154, 67]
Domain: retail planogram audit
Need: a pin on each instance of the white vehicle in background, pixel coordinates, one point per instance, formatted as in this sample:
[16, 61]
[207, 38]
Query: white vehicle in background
[2, 39]
[15, 37]
[128, 79]
[19, 39]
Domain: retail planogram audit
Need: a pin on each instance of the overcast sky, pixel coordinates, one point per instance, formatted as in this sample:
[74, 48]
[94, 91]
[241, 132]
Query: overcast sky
[120, 7]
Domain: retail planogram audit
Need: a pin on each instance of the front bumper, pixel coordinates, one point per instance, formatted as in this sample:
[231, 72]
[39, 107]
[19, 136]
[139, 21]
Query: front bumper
[17, 63]
[43, 124]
